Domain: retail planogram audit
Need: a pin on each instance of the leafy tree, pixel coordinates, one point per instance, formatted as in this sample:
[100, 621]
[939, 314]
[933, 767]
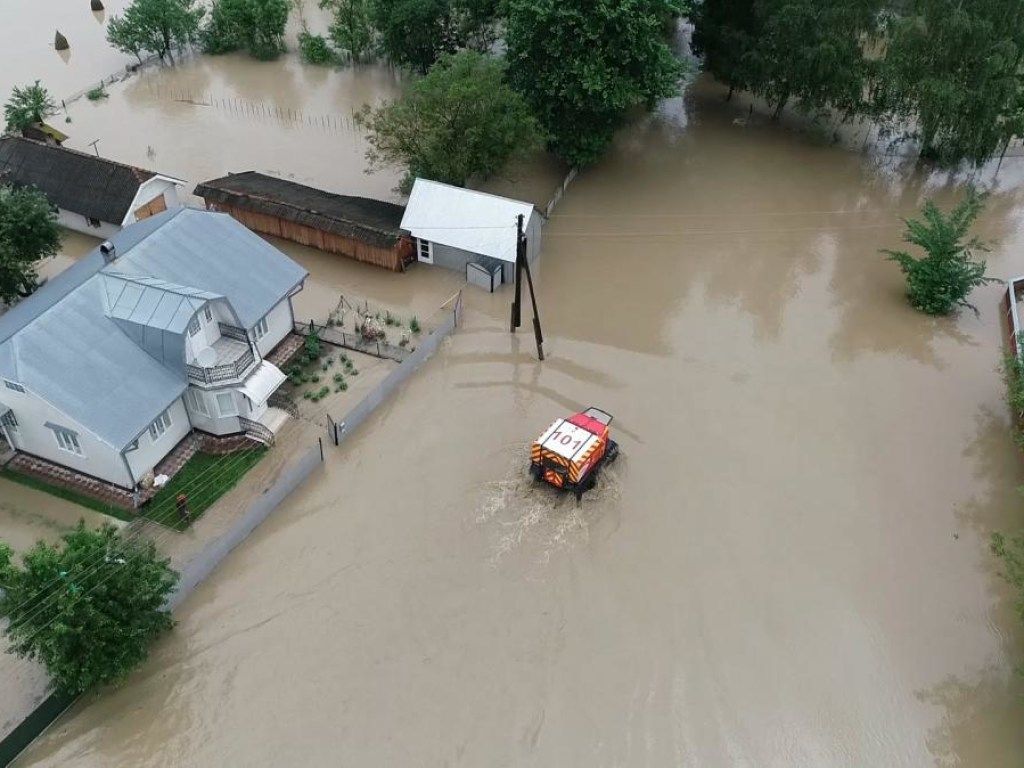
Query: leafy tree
[156, 26]
[28, 105]
[351, 29]
[418, 32]
[88, 608]
[28, 233]
[1010, 549]
[724, 31]
[255, 25]
[941, 280]
[582, 65]
[458, 121]
[314, 49]
[953, 70]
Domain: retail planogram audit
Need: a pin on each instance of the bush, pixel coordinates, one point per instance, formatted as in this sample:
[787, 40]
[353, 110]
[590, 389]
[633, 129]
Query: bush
[312, 346]
[414, 325]
[338, 378]
[314, 49]
[97, 93]
[255, 25]
[307, 395]
[944, 277]
[1013, 375]
[315, 378]
[324, 391]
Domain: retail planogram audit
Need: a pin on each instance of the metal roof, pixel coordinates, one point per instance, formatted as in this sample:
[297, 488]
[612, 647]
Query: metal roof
[101, 341]
[466, 219]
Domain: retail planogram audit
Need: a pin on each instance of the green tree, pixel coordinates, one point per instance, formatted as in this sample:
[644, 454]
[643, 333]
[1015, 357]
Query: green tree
[28, 233]
[156, 26]
[28, 105]
[460, 120]
[944, 277]
[417, 33]
[724, 31]
[314, 49]
[255, 25]
[351, 29]
[952, 70]
[582, 65]
[88, 608]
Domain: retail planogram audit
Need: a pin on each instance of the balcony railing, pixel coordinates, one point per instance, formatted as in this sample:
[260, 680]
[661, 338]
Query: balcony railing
[233, 332]
[220, 373]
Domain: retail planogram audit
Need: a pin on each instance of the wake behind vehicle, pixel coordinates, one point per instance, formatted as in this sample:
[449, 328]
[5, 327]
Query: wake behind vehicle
[570, 453]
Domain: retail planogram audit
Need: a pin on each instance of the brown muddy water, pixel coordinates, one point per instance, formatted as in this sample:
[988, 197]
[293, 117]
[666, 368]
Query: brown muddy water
[787, 567]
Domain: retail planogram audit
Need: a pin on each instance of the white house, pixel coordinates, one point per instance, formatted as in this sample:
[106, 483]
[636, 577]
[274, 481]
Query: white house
[161, 330]
[469, 231]
[92, 194]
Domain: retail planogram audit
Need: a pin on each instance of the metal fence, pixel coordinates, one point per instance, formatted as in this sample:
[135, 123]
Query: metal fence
[448, 319]
[353, 341]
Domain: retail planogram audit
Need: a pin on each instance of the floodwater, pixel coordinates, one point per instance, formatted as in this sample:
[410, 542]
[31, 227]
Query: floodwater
[787, 567]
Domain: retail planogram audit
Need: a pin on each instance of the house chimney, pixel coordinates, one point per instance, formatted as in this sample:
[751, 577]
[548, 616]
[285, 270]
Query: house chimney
[107, 249]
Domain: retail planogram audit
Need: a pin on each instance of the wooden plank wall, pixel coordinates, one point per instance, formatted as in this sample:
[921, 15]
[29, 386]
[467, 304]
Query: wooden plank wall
[393, 258]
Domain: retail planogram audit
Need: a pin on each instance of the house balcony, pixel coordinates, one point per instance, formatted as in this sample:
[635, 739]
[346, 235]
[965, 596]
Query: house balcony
[226, 360]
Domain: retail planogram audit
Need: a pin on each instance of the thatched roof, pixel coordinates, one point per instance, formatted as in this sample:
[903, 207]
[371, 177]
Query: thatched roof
[372, 221]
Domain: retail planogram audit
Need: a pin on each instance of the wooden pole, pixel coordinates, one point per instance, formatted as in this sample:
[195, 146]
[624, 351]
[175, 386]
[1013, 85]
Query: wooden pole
[517, 301]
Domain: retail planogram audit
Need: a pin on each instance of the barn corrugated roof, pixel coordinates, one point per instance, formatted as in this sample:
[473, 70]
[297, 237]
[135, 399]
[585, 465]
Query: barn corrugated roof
[73, 342]
[75, 181]
[375, 222]
[472, 221]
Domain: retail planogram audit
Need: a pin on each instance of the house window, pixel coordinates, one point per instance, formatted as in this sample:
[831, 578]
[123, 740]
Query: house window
[193, 326]
[226, 404]
[8, 420]
[197, 401]
[66, 439]
[208, 313]
[12, 385]
[262, 328]
[158, 427]
[94, 223]
[426, 250]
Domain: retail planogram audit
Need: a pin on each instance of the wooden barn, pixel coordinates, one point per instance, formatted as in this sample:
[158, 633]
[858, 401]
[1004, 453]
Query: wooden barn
[357, 227]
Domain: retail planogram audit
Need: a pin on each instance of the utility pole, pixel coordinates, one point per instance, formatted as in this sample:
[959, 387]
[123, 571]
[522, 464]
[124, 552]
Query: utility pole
[523, 265]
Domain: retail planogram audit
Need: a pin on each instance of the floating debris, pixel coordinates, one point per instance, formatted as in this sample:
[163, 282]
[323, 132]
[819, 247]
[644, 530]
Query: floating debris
[60, 42]
[96, 5]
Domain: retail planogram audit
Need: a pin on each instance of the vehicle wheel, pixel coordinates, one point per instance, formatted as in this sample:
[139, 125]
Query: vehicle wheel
[536, 472]
[613, 451]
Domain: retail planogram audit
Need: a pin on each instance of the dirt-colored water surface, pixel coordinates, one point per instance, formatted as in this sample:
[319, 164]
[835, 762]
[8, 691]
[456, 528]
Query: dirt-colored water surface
[788, 566]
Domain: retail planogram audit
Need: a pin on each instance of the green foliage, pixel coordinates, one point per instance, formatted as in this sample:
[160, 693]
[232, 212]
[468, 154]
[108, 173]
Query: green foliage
[943, 278]
[312, 346]
[87, 608]
[254, 25]
[414, 325]
[1013, 376]
[583, 65]
[28, 233]
[460, 120]
[351, 28]
[338, 378]
[28, 105]
[953, 71]
[1010, 549]
[417, 33]
[97, 93]
[314, 49]
[724, 30]
[324, 392]
[155, 26]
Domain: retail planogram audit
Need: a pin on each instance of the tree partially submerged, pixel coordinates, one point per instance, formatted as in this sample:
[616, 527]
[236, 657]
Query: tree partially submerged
[583, 66]
[460, 120]
[416, 33]
[942, 279]
[155, 26]
[89, 607]
[256, 26]
[28, 105]
[351, 29]
[28, 233]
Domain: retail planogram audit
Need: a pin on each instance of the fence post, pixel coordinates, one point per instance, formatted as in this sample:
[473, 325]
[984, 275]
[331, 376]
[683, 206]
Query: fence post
[320, 440]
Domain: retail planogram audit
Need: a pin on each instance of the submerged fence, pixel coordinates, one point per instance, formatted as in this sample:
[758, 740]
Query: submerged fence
[447, 321]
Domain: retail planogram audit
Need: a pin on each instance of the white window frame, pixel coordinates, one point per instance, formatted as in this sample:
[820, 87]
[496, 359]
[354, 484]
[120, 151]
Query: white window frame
[194, 326]
[14, 386]
[160, 425]
[9, 420]
[220, 408]
[197, 400]
[67, 440]
[428, 257]
[261, 329]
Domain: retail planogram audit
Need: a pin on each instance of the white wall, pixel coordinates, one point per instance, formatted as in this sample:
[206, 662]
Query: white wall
[98, 459]
[149, 191]
[212, 421]
[150, 451]
[279, 322]
[79, 223]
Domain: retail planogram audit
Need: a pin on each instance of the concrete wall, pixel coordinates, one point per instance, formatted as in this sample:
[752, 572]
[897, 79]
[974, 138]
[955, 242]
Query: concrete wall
[80, 223]
[150, 451]
[279, 322]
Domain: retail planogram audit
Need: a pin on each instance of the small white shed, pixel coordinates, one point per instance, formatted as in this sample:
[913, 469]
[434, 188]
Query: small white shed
[456, 228]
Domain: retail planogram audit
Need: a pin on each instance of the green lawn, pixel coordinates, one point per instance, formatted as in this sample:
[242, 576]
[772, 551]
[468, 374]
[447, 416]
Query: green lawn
[63, 493]
[204, 479]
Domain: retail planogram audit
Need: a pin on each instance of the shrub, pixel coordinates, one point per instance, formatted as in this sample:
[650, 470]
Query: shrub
[338, 378]
[315, 49]
[944, 277]
[414, 325]
[312, 345]
[343, 386]
[315, 378]
[307, 395]
[1013, 375]
[97, 93]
